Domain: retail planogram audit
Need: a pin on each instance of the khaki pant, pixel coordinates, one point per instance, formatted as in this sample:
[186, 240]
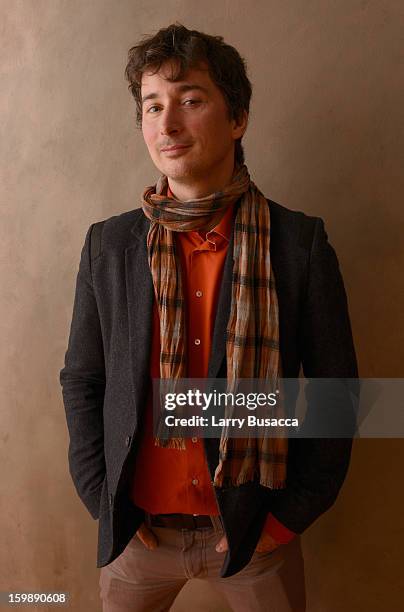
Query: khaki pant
[142, 580]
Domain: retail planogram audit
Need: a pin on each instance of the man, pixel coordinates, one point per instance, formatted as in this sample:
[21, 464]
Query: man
[207, 279]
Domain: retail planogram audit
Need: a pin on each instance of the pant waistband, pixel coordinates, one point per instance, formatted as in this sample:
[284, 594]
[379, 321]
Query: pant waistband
[188, 522]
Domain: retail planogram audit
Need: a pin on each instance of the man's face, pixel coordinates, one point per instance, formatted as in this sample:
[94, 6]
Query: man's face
[192, 115]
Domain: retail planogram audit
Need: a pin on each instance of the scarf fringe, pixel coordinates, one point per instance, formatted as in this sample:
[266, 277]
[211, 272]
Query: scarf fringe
[221, 480]
[176, 443]
[228, 481]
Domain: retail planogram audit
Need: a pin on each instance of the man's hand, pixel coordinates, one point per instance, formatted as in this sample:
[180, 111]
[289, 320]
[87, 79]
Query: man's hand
[266, 543]
[147, 537]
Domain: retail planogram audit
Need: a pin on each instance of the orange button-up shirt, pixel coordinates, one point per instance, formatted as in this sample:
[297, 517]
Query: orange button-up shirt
[168, 480]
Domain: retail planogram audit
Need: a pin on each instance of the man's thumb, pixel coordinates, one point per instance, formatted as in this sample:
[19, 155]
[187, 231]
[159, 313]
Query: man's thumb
[221, 546]
[147, 537]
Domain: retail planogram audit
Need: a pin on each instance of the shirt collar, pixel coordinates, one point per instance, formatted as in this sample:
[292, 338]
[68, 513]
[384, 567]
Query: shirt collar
[224, 227]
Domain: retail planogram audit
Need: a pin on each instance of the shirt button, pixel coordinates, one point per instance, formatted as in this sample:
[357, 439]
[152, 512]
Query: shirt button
[194, 440]
[127, 440]
[195, 481]
[198, 293]
[197, 341]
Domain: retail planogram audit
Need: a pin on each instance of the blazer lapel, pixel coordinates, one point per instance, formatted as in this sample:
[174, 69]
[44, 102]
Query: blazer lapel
[140, 307]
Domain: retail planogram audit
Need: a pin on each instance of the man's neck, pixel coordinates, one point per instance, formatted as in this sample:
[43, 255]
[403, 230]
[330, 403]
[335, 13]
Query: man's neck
[195, 189]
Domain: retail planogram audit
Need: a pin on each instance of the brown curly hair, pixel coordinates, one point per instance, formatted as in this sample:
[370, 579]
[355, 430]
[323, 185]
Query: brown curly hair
[189, 48]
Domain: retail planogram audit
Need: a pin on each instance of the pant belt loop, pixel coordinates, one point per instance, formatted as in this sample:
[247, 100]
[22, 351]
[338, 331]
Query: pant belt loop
[217, 523]
[147, 519]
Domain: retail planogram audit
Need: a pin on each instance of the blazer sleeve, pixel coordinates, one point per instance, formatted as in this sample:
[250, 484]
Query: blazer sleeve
[317, 466]
[83, 389]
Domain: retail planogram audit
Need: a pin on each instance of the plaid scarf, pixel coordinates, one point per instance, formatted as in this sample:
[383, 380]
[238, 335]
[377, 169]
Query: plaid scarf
[252, 340]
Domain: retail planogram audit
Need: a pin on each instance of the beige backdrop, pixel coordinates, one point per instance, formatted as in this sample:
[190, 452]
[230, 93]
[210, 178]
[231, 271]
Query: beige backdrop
[325, 137]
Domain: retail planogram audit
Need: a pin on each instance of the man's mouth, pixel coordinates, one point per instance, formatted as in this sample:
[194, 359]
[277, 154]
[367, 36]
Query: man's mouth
[176, 147]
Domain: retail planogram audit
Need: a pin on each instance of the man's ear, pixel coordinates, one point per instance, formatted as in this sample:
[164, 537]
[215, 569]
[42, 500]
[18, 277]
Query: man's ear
[240, 125]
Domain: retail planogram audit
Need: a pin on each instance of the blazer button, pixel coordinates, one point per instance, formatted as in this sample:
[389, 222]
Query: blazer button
[128, 440]
[111, 499]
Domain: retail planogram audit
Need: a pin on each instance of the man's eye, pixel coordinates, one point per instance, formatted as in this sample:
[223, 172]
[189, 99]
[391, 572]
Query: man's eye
[150, 109]
[191, 101]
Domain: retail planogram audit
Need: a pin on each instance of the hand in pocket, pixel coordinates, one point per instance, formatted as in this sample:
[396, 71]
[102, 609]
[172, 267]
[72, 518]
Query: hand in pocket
[147, 537]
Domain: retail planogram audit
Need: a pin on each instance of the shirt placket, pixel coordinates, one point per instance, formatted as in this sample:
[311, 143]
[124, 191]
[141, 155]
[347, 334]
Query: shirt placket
[196, 347]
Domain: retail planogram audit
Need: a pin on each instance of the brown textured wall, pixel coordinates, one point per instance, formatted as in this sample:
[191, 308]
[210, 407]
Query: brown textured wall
[325, 137]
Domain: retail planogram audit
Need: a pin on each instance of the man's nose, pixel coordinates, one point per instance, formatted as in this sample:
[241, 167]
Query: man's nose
[170, 122]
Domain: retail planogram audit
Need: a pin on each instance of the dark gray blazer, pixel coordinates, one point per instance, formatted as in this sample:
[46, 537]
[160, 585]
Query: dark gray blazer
[106, 377]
